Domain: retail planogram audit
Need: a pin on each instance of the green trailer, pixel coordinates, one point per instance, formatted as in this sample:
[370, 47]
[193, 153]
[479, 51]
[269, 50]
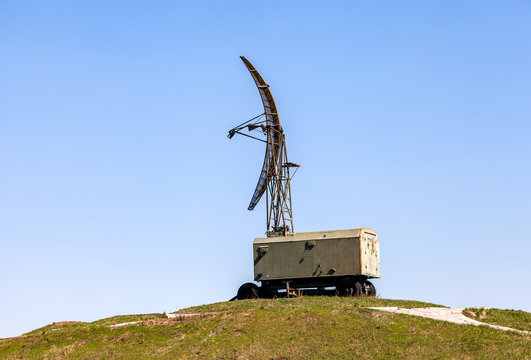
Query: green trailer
[338, 261]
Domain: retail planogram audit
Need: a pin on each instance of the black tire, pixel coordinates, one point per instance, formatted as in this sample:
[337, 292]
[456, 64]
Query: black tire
[349, 288]
[248, 291]
[368, 289]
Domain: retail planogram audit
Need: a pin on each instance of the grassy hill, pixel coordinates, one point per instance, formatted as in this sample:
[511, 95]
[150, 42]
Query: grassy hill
[300, 328]
[516, 319]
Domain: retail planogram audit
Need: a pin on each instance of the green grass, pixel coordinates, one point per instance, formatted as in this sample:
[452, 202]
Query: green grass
[300, 328]
[120, 319]
[303, 303]
[516, 319]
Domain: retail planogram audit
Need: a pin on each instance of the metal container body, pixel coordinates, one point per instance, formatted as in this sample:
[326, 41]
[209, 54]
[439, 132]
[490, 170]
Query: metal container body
[317, 258]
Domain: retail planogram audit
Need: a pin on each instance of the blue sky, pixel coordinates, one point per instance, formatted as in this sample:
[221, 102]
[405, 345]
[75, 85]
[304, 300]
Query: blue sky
[120, 193]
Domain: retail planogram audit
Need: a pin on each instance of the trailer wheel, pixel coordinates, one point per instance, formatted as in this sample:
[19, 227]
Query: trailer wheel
[248, 291]
[349, 288]
[368, 289]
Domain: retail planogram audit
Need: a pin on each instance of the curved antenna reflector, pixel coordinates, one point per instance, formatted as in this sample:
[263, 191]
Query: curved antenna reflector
[273, 130]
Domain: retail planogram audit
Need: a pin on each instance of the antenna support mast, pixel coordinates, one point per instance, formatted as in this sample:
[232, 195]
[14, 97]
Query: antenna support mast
[275, 177]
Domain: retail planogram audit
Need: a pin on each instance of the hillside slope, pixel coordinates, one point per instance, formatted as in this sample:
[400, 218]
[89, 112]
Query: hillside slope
[300, 328]
[516, 319]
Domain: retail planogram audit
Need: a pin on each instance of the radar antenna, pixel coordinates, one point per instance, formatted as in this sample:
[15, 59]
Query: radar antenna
[275, 177]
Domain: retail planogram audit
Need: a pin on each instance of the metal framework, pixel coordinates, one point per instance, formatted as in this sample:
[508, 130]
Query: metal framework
[275, 177]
